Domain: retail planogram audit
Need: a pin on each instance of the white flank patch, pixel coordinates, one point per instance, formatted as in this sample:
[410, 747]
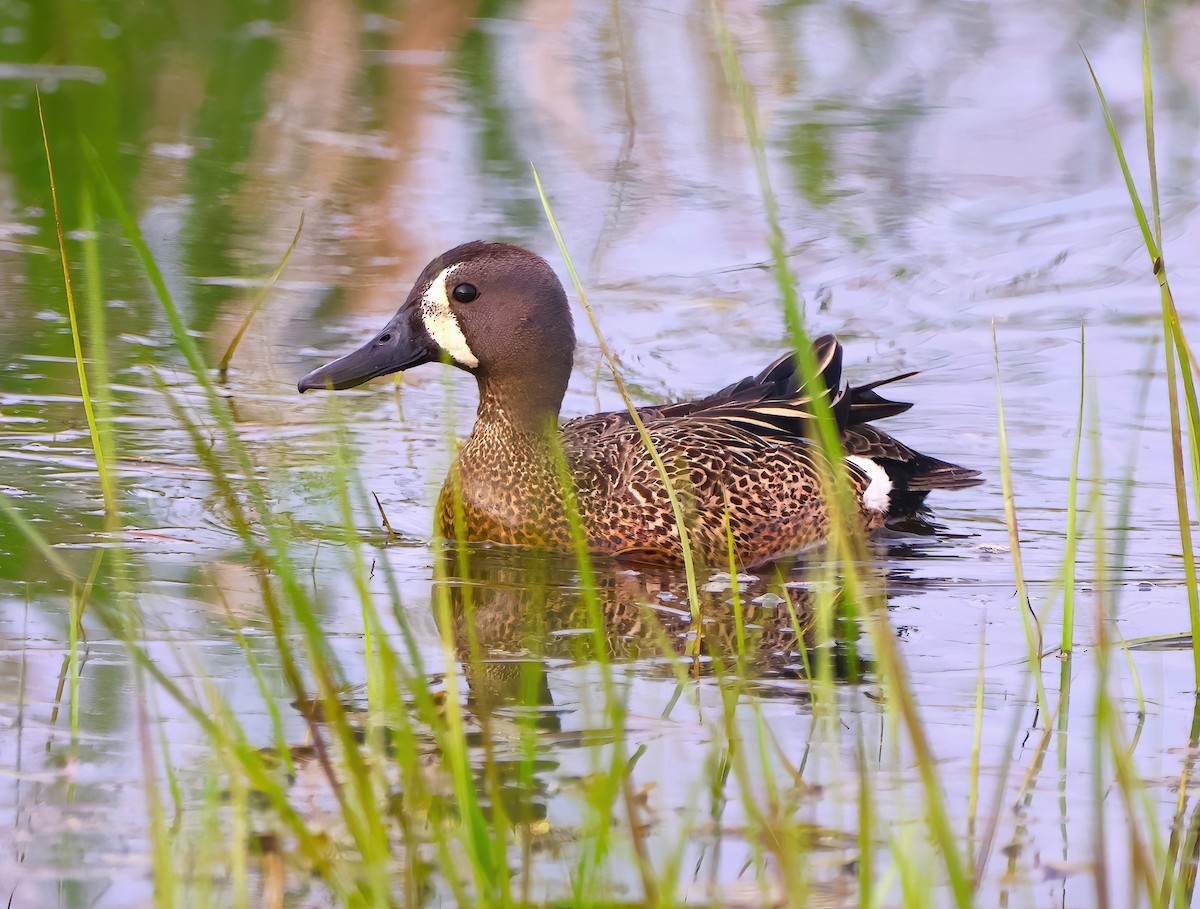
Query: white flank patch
[877, 495]
[442, 324]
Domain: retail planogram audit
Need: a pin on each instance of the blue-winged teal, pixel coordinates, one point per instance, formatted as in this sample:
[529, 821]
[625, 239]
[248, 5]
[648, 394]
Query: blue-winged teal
[500, 313]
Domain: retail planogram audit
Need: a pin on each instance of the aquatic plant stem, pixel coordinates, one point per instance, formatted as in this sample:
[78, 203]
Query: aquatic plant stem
[689, 563]
[259, 300]
[1033, 631]
[976, 742]
[276, 558]
[847, 541]
[1072, 531]
[79, 596]
[106, 485]
[1172, 334]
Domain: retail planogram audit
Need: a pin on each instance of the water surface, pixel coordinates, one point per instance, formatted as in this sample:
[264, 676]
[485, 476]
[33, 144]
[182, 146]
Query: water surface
[944, 177]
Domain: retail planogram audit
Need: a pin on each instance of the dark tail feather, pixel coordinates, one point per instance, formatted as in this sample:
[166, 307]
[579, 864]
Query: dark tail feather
[851, 406]
[783, 373]
[930, 473]
[867, 405]
[915, 479]
[776, 400]
[913, 475]
[776, 403]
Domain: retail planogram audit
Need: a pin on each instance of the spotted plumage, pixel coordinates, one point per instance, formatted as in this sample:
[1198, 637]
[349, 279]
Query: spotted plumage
[746, 451]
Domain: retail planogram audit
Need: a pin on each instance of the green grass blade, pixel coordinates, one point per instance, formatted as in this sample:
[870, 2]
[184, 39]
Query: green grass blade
[102, 470]
[1131, 188]
[1148, 113]
[1178, 352]
[689, 564]
[1072, 532]
[259, 300]
[1033, 631]
[133, 234]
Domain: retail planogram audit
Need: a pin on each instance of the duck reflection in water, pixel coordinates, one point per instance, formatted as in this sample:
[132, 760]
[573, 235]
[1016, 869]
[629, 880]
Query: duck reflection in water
[515, 613]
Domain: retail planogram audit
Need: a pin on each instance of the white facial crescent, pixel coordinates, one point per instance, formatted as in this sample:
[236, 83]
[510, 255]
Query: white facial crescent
[441, 323]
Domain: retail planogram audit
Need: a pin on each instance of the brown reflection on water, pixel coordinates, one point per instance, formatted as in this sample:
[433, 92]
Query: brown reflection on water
[510, 608]
[520, 621]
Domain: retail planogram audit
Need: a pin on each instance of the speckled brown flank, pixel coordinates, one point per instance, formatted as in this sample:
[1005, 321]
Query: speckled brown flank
[512, 492]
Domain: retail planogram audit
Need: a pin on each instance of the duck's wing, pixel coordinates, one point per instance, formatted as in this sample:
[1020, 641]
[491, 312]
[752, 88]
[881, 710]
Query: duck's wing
[771, 408]
[774, 404]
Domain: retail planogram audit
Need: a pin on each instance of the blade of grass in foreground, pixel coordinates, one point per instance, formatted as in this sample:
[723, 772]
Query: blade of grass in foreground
[351, 783]
[845, 535]
[1102, 706]
[1178, 355]
[1068, 629]
[848, 564]
[848, 541]
[100, 438]
[1178, 352]
[249, 757]
[106, 484]
[165, 883]
[1033, 631]
[618, 781]
[100, 448]
[1174, 341]
[689, 564]
[259, 300]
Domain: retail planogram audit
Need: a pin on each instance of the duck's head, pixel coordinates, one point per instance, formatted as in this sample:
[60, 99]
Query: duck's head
[495, 310]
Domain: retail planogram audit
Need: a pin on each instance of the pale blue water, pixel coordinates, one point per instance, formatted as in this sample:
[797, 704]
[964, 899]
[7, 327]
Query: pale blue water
[943, 172]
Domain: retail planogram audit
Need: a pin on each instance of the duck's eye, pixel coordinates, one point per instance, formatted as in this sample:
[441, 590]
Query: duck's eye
[465, 293]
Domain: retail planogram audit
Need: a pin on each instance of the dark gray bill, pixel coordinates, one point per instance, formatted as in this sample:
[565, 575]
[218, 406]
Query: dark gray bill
[395, 348]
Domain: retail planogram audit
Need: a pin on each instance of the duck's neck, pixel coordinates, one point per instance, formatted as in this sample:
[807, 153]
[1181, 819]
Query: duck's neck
[520, 406]
[506, 484]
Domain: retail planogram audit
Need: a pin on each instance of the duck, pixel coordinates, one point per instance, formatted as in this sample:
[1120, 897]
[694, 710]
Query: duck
[523, 478]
